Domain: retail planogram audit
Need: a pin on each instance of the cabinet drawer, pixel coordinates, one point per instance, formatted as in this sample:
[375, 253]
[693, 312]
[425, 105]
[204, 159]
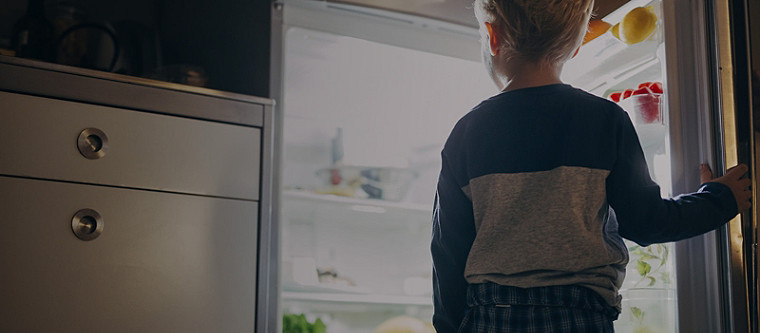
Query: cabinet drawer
[39, 139]
[163, 263]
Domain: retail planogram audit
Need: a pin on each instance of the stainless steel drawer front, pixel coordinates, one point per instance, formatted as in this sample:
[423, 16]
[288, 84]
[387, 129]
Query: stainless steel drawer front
[41, 139]
[165, 263]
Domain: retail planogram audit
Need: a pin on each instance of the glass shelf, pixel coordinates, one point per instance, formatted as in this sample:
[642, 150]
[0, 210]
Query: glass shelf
[367, 299]
[305, 205]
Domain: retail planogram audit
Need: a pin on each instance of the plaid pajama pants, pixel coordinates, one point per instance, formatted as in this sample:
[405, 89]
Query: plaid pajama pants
[495, 309]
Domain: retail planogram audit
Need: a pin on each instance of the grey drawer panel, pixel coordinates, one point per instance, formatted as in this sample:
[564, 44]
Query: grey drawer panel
[163, 263]
[39, 139]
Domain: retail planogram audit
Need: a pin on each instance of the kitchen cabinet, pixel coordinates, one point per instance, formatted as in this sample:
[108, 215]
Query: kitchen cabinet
[132, 205]
[145, 150]
[224, 42]
[164, 261]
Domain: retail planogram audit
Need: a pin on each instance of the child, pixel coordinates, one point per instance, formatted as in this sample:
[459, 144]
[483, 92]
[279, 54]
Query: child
[540, 184]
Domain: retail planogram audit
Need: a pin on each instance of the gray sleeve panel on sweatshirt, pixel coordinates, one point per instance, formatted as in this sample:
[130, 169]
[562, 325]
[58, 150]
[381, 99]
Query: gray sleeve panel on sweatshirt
[546, 228]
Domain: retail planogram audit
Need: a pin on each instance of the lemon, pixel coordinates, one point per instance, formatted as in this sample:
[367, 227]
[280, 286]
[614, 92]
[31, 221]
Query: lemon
[637, 25]
[615, 30]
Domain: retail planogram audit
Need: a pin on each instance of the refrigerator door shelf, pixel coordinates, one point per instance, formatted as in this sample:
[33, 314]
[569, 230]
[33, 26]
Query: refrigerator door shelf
[606, 62]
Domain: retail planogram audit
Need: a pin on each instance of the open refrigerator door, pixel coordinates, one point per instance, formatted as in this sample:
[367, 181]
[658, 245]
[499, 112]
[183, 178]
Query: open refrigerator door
[689, 62]
[623, 59]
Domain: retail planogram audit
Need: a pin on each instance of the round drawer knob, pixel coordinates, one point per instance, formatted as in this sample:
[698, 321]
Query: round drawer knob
[92, 143]
[87, 224]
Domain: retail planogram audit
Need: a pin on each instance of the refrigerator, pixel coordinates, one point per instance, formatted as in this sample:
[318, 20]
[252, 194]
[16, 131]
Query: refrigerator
[366, 98]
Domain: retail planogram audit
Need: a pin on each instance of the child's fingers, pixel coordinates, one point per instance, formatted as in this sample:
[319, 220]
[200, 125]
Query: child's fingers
[743, 194]
[745, 202]
[705, 174]
[737, 171]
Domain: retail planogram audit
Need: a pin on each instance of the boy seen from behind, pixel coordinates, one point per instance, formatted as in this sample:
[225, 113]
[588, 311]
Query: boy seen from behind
[540, 184]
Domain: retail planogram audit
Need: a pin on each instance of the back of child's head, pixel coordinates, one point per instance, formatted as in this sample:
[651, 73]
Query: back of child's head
[537, 30]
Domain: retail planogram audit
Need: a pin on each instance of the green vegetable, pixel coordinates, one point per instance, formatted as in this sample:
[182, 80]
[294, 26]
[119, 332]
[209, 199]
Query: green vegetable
[649, 262]
[643, 267]
[297, 323]
[637, 313]
[319, 326]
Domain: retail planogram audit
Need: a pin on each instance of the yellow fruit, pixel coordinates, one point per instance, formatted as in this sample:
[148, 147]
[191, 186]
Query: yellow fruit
[615, 31]
[595, 29]
[637, 25]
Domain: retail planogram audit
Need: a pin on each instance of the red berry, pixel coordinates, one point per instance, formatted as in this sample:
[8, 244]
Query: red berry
[335, 177]
[627, 93]
[656, 87]
[645, 84]
[642, 91]
[615, 97]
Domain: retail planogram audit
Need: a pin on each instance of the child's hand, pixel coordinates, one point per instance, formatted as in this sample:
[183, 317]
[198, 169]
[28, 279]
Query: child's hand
[735, 180]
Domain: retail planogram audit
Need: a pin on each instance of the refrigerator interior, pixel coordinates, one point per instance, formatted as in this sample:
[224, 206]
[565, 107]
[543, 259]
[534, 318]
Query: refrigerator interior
[352, 104]
[363, 126]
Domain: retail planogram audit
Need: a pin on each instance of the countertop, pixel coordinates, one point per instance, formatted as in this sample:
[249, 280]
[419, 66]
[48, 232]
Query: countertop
[104, 88]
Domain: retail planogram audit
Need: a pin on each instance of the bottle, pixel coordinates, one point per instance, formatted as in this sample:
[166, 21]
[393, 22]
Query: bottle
[33, 34]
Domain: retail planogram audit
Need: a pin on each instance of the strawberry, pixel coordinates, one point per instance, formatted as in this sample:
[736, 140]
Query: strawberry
[615, 97]
[656, 87]
[642, 91]
[335, 177]
[645, 84]
[627, 93]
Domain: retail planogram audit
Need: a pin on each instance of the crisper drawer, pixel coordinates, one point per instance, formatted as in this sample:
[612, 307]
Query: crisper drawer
[162, 263]
[55, 139]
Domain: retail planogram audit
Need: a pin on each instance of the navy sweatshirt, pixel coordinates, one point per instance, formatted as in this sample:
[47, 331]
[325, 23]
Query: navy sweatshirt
[538, 186]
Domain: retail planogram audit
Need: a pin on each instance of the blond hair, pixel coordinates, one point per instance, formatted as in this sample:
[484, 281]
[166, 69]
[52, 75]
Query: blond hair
[537, 30]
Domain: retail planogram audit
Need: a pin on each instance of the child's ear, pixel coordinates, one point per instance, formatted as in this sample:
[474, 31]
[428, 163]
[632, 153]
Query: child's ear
[493, 39]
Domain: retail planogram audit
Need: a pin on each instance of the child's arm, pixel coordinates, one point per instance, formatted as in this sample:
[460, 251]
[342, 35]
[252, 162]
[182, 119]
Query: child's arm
[643, 216]
[453, 235]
